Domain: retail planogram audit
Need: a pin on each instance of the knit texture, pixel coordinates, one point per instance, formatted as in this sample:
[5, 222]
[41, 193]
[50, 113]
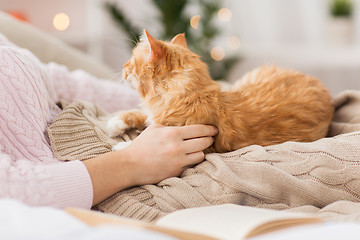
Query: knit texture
[295, 176]
[80, 132]
[79, 126]
[29, 90]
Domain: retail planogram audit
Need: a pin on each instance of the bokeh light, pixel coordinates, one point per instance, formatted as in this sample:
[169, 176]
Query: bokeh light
[233, 42]
[61, 21]
[224, 14]
[194, 21]
[217, 53]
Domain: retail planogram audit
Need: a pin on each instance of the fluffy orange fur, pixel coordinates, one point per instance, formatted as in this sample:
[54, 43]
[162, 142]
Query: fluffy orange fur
[269, 105]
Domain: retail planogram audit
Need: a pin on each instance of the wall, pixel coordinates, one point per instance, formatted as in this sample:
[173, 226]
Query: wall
[288, 33]
[297, 34]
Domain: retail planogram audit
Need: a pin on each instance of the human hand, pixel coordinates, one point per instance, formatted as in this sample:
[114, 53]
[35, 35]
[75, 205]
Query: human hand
[161, 152]
[157, 153]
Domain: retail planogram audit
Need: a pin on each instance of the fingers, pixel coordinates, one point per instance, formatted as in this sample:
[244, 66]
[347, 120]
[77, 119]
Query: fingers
[197, 130]
[190, 138]
[189, 131]
[197, 144]
[194, 158]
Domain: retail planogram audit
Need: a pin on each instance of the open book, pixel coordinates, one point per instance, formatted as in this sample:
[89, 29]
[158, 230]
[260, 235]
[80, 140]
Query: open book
[227, 221]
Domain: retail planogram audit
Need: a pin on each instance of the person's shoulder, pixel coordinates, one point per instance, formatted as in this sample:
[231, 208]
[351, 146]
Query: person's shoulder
[12, 55]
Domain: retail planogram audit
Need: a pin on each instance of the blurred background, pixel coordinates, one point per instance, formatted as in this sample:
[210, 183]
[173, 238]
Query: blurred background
[317, 37]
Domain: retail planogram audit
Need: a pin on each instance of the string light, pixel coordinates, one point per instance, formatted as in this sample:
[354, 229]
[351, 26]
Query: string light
[194, 21]
[217, 53]
[61, 21]
[224, 14]
[233, 42]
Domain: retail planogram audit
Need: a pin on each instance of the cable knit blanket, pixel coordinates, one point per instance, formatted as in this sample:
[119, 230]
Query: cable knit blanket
[322, 177]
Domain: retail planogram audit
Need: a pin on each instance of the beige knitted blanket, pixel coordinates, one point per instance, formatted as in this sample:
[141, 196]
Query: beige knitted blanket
[321, 177]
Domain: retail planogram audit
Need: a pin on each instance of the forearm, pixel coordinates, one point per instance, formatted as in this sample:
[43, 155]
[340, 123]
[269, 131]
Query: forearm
[110, 172]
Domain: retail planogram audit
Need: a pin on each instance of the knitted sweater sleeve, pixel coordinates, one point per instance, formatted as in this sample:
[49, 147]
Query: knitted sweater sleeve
[39, 184]
[28, 169]
[109, 95]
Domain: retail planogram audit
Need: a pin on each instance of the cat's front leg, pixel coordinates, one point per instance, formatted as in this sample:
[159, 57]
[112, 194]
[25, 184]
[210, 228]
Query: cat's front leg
[126, 120]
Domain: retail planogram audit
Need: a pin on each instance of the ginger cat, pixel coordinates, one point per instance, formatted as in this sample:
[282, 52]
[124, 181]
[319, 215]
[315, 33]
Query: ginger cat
[269, 105]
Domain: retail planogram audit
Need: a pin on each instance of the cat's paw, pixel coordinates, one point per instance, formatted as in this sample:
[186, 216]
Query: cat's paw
[116, 126]
[120, 145]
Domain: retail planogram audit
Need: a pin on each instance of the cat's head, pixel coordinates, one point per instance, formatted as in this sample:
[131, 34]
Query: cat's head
[158, 66]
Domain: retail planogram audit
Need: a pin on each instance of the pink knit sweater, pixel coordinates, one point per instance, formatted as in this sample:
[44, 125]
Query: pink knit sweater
[29, 90]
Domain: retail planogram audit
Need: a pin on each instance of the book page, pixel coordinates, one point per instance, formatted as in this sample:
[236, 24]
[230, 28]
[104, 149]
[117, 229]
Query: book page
[229, 221]
[94, 218]
[328, 231]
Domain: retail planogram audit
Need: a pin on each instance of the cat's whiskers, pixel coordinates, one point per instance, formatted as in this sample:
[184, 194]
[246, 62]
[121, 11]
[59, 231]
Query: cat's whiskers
[134, 42]
[115, 77]
[121, 39]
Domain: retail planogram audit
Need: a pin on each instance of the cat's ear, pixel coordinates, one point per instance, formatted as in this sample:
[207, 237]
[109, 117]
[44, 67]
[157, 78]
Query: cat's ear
[156, 48]
[180, 40]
